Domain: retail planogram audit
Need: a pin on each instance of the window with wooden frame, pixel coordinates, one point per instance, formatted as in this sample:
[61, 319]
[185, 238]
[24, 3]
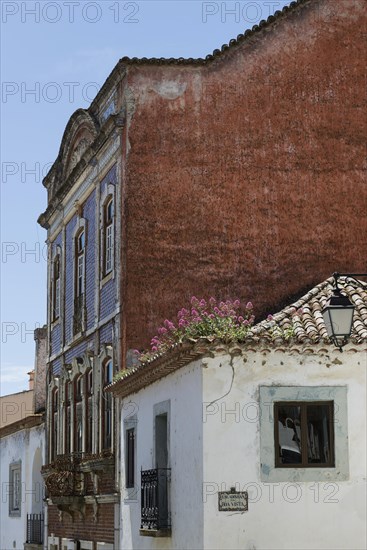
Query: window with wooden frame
[108, 237]
[78, 414]
[54, 423]
[89, 410]
[56, 288]
[67, 439]
[304, 434]
[107, 405]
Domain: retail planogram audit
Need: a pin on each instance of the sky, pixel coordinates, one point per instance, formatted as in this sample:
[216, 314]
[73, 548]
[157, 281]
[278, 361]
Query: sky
[55, 56]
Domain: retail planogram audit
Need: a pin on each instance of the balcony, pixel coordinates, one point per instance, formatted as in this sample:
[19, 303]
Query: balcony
[71, 478]
[66, 475]
[34, 532]
[155, 503]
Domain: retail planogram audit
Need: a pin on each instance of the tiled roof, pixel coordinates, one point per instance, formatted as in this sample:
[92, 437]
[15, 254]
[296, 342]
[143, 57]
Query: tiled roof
[302, 319]
[308, 325]
[263, 24]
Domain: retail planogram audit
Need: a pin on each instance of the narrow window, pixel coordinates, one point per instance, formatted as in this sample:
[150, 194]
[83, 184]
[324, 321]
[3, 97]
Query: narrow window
[303, 433]
[108, 238]
[67, 417]
[89, 415]
[130, 458]
[56, 289]
[54, 423]
[15, 489]
[80, 263]
[107, 406]
[78, 415]
[79, 282]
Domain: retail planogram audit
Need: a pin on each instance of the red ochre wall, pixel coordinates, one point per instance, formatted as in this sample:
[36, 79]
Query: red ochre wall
[98, 528]
[245, 178]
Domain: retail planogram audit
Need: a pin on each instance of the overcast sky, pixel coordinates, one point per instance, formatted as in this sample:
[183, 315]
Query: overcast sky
[55, 55]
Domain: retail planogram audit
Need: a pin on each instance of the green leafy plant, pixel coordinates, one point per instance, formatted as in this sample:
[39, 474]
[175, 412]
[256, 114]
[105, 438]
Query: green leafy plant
[227, 321]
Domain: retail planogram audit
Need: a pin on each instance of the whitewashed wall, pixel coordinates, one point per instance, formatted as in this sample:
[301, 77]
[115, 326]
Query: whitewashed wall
[288, 515]
[27, 446]
[184, 389]
[215, 445]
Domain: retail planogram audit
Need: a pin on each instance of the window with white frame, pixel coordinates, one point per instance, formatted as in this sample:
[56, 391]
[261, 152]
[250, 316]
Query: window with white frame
[80, 263]
[15, 488]
[303, 433]
[108, 236]
[79, 284]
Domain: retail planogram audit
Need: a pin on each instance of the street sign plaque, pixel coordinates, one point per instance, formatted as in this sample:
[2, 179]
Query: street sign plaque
[233, 501]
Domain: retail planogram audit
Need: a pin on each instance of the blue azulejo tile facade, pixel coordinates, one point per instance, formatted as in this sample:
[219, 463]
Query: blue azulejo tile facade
[100, 300]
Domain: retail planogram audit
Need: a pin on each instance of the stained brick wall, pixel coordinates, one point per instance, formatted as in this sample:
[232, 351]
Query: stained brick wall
[245, 177]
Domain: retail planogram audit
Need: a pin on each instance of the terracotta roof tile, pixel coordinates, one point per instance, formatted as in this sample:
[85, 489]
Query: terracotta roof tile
[225, 47]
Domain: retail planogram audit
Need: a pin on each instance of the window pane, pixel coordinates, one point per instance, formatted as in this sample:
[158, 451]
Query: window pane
[318, 433]
[289, 434]
[81, 242]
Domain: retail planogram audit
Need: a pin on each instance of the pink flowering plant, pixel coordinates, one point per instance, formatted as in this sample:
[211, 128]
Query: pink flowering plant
[227, 321]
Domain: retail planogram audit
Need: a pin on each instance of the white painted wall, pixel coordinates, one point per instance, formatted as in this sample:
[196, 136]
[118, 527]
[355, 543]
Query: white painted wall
[28, 446]
[184, 389]
[217, 446]
[299, 515]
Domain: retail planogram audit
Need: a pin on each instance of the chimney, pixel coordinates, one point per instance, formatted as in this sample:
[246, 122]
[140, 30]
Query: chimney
[31, 379]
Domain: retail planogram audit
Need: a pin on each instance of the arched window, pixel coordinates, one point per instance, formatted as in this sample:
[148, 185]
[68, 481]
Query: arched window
[54, 423]
[56, 288]
[107, 405]
[79, 294]
[89, 410]
[108, 236]
[67, 417]
[78, 414]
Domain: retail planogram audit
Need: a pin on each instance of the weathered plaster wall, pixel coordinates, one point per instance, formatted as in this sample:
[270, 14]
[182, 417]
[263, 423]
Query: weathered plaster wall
[291, 514]
[245, 177]
[28, 447]
[184, 390]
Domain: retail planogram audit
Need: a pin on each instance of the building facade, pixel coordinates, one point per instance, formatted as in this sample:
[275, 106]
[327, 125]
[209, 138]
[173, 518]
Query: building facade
[179, 180]
[84, 332]
[254, 445]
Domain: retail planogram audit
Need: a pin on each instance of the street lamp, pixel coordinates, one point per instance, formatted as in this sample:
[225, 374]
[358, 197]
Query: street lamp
[338, 312]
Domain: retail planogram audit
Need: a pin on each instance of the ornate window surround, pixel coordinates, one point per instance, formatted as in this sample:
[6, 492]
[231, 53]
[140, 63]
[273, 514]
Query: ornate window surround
[54, 320]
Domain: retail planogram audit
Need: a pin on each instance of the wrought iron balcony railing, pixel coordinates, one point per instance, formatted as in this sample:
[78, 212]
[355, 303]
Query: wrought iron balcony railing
[155, 499]
[35, 528]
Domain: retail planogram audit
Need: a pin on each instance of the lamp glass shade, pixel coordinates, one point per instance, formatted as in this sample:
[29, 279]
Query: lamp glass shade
[338, 316]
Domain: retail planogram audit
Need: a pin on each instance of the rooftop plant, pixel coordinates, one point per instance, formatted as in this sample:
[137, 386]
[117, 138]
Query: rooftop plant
[227, 321]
